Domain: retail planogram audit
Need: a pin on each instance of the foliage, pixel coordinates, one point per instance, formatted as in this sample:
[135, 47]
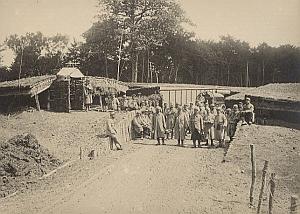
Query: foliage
[36, 54]
[144, 40]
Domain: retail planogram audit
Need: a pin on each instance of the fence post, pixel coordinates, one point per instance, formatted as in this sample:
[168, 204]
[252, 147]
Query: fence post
[253, 174]
[80, 153]
[294, 204]
[272, 190]
[263, 182]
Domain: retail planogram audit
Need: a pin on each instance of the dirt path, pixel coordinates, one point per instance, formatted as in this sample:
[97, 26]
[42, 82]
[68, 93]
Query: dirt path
[144, 178]
[160, 179]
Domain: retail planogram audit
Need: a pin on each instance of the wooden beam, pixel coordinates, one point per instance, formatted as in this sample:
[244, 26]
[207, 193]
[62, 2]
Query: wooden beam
[15, 93]
[42, 86]
[37, 102]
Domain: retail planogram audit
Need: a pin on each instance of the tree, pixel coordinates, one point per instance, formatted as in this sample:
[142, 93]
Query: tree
[36, 54]
[135, 27]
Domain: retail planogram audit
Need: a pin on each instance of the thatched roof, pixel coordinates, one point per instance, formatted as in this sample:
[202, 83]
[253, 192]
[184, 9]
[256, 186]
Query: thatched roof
[70, 72]
[105, 85]
[26, 86]
[277, 92]
[225, 90]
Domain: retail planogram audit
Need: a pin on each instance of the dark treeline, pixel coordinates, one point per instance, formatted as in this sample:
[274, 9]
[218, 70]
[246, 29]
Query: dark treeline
[143, 41]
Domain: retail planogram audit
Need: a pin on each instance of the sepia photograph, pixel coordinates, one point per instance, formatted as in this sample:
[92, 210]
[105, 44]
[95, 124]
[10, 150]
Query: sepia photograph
[149, 107]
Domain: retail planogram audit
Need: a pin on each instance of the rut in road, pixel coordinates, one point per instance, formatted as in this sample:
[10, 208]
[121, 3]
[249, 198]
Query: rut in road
[158, 179]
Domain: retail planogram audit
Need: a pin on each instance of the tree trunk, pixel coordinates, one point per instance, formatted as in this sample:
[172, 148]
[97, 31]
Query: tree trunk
[148, 66]
[228, 75]
[143, 68]
[105, 61]
[263, 72]
[176, 72]
[136, 67]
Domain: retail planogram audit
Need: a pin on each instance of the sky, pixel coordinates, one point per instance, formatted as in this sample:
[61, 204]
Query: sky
[275, 22]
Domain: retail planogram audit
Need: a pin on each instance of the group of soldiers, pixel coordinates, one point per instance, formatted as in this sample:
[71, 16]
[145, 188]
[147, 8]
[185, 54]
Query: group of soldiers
[204, 122]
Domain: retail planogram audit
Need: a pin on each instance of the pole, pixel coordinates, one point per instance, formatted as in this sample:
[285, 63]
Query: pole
[80, 153]
[143, 69]
[119, 61]
[105, 60]
[20, 67]
[247, 75]
[263, 72]
[228, 73]
[294, 202]
[272, 190]
[148, 67]
[253, 174]
[151, 72]
[264, 172]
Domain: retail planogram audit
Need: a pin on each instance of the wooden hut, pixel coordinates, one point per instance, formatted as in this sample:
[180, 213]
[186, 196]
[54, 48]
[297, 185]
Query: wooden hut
[26, 92]
[276, 101]
[67, 91]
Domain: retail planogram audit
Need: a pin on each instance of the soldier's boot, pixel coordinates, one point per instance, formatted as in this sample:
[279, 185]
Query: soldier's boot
[163, 141]
[206, 142]
[194, 143]
[142, 135]
[182, 143]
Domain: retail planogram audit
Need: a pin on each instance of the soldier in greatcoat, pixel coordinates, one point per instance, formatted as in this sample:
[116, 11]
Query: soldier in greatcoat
[159, 126]
[196, 127]
[209, 119]
[181, 125]
[170, 120]
[220, 125]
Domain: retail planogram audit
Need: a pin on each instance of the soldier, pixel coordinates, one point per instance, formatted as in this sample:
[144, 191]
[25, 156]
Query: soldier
[88, 96]
[191, 109]
[209, 128]
[115, 104]
[141, 125]
[186, 111]
[159, 126]
[165, 108]
[233, 118]
[248, 110]
[181, 125]
[124, 103]
[133, 105]
[112, 132]
[220, 125]
[170, 120]
[213, 109]
[196, 127]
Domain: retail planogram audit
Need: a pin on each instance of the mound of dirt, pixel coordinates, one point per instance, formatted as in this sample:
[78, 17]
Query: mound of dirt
[22, 160]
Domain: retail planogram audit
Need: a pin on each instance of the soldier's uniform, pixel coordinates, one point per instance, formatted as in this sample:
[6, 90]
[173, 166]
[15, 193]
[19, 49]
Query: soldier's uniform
[196, 126]
[220, 124]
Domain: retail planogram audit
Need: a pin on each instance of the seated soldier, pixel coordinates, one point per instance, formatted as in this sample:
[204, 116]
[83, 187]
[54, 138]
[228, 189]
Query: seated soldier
[141, 125]
[248, 110]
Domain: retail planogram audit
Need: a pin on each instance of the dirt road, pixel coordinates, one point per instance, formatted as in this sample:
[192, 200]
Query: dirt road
[160, 179]
[144, 178]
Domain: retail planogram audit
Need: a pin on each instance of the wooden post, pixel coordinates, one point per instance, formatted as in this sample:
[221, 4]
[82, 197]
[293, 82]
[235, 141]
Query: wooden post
[253, 174]
[272, 190]
[80, 153]
[37, 102]
[181, 96]
[186, 96]
[48, 100]
[263, 182]
[100, 102]
[294, 204]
